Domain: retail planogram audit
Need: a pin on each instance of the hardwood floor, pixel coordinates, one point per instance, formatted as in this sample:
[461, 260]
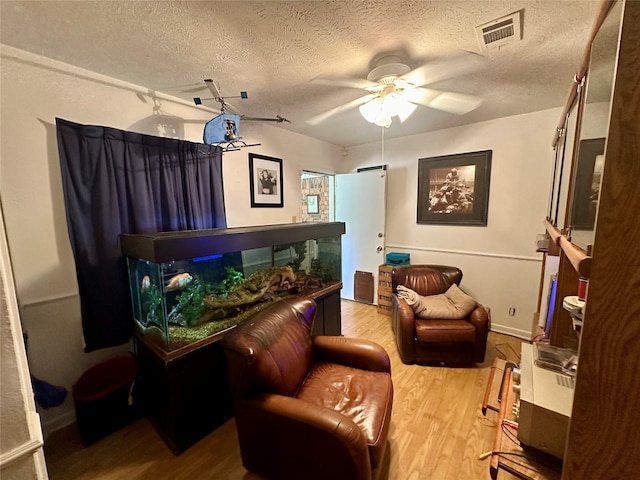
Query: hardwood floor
[437, 431]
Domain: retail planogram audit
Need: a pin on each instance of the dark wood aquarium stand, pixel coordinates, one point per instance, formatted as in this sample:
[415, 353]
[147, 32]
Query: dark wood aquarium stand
[185, 397]
[328, 319]
[185, 393]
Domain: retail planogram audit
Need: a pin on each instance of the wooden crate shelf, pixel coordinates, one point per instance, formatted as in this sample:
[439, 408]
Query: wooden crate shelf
[384, 290]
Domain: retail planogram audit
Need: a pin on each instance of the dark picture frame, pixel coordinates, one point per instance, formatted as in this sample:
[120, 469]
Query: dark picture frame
[454, 189]
[265, 181]
[586, 191]
[313, 204]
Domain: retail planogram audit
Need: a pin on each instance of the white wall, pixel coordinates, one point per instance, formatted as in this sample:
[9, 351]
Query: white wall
[34, 91]
[297, 153]
[21, 453]
[499, 263]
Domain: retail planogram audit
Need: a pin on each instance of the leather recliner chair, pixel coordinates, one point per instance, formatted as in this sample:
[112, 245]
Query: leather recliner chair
[308, 407]
[426, 341]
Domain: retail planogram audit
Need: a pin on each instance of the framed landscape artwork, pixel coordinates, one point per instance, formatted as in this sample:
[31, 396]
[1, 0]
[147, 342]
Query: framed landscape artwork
[265, 181]
[454, 189]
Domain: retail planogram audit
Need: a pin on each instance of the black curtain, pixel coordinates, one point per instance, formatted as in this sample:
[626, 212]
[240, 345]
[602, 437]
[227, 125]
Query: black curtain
[123, 182]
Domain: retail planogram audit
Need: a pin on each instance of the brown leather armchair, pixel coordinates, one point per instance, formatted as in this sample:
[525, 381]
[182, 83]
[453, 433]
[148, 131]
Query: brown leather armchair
[308, 407]
[420, 340]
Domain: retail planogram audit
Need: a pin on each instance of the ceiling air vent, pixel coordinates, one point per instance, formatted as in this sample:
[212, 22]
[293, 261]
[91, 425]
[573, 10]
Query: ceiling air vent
[501, 31]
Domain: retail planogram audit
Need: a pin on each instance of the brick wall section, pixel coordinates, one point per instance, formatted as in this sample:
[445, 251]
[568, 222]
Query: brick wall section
[315, 186]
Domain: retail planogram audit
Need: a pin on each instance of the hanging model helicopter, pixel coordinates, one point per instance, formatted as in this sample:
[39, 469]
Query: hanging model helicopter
[224, 129]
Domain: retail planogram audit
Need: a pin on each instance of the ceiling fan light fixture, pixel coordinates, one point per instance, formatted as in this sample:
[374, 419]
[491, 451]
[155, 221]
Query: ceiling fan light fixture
[391, 104]
[374, 112]
[405, 109]
[383, 120]
[381, 109]
[371, 109]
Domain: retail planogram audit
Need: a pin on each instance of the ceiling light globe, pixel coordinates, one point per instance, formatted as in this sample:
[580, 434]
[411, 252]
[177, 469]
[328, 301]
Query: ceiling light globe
[405, 109]
[381, 109]
[371, 110]
[383, 120]
[391, 104]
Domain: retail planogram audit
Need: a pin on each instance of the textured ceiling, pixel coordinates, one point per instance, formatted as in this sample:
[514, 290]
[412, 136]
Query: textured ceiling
[273, 49]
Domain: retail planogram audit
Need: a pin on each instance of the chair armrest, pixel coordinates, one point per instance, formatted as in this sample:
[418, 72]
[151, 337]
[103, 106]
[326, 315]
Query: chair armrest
[479, 317]
[270, 427]
[404, 327]
[352, 352]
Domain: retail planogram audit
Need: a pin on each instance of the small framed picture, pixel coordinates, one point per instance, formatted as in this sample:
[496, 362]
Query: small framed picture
[313, 206]
[454, 189]
[265, 181]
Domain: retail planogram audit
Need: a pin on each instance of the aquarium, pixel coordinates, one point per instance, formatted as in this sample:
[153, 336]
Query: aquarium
[187, 287]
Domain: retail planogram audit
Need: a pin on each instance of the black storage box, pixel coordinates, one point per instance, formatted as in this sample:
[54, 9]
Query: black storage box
[102, 397]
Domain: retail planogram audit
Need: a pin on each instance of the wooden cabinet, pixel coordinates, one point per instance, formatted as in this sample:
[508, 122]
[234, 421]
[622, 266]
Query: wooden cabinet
[603, 435]
[384, 289]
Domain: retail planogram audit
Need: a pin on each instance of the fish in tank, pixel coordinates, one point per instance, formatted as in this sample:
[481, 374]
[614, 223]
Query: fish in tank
[179, 302]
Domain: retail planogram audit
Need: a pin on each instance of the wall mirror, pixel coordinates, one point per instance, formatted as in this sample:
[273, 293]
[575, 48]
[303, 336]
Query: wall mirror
[563, 153]
[589, 159]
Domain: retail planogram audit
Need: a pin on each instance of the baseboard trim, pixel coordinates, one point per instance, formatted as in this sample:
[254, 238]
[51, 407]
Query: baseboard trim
[514, 332]
[58, 423]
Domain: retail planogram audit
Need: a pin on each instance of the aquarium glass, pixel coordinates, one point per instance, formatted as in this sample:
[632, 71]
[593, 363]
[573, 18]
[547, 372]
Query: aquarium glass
[180, 302]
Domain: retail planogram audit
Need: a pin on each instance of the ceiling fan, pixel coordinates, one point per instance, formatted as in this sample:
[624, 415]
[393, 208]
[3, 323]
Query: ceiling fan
[394, 89]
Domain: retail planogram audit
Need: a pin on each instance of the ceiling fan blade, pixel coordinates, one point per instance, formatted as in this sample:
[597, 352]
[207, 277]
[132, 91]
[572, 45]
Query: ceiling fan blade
[349, 82]
[342, 108]
[451, 102]
[459, 64]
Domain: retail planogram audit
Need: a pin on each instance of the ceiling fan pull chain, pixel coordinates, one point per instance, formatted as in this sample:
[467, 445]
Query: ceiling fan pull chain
[382, 145]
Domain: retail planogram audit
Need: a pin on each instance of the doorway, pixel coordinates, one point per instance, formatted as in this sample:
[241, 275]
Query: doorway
[360, 203]
[358, 200]
[317, 197]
